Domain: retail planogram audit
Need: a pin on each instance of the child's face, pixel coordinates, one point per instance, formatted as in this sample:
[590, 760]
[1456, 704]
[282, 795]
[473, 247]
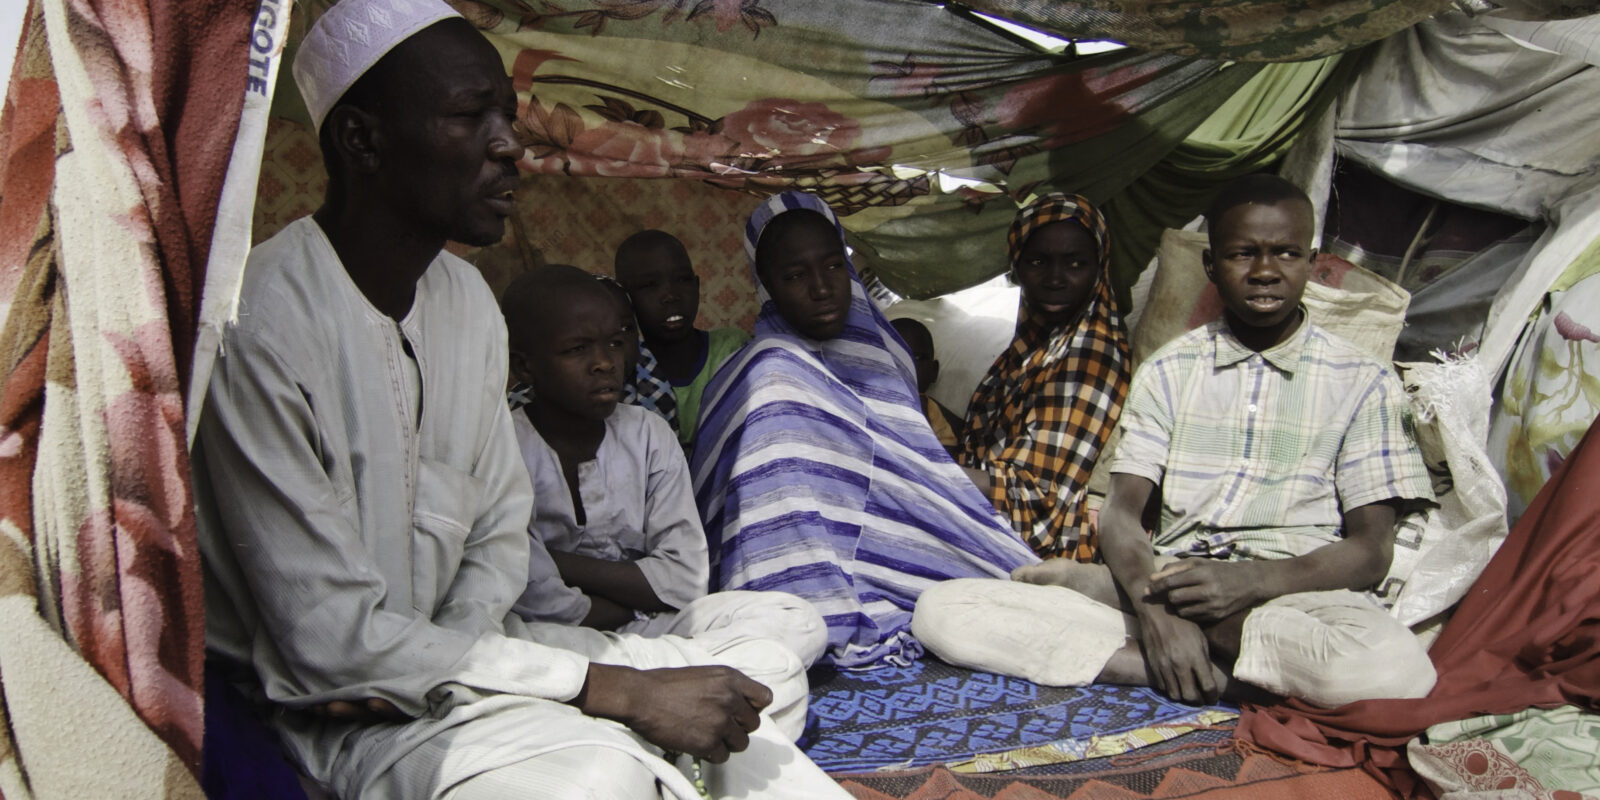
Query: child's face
[665, 293]
[577, 366]
[808, 278]
[1057, 269]
[1259, 259]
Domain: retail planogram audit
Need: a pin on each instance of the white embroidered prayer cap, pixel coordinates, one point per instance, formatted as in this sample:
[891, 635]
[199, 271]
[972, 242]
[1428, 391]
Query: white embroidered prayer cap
[348, 39]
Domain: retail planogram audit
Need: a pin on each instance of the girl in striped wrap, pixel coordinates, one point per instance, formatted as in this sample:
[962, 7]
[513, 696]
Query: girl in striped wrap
[816, 472]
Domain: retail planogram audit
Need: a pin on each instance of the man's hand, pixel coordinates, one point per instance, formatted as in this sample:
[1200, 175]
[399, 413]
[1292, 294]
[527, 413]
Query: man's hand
[1179, 660]
[707, 712]
[1204, 590]
[370, 711]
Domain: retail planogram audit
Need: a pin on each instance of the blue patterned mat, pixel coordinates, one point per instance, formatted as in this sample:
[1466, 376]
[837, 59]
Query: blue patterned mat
[932, 713]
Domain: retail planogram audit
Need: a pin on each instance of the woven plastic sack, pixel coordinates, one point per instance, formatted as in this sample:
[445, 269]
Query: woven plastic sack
[1438, 554]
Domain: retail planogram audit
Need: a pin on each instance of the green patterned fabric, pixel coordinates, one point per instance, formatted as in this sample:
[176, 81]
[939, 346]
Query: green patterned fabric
[1240, 30]
[1556, 748]
[1551, 392]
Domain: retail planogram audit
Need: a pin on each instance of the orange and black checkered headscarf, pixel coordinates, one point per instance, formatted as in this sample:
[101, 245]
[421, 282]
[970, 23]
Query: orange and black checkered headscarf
[1040, 416]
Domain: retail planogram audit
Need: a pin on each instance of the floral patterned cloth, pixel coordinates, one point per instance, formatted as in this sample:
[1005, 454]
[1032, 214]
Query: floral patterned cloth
[1539, 754]
[1551, 392]
[114, 146]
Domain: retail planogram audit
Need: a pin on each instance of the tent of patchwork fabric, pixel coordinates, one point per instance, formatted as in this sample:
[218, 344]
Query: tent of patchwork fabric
[1447, 146]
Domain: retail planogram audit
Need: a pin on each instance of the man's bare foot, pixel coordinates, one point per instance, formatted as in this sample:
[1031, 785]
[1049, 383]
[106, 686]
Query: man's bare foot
[1055, 572]
[1091, 580]
[1127, 667]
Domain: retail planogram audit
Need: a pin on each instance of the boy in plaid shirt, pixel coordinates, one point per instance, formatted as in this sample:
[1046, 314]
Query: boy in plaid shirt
[1278, 457]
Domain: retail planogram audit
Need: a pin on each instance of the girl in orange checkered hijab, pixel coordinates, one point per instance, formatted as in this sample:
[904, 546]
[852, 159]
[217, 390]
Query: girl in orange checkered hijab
[1039, 418]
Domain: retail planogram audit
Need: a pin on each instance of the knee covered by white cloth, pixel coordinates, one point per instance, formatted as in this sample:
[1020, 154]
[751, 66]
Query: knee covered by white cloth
[1331, 648]
[786, 618]
[1050, 635]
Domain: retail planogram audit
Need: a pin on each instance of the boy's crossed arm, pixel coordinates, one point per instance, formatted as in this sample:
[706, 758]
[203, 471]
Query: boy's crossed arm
[1209, 591]
[1190, 609]
[616, 589]
[1176, 653]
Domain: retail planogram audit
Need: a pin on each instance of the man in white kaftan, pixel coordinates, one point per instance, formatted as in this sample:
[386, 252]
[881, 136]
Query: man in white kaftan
[363, 507]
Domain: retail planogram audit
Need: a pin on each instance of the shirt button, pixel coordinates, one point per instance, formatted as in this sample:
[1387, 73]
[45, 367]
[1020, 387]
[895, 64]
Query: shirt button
[1252, 408]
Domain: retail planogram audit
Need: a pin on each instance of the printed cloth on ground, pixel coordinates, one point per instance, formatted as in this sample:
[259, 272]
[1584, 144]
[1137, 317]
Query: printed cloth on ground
[934, 713]
[1548, 754]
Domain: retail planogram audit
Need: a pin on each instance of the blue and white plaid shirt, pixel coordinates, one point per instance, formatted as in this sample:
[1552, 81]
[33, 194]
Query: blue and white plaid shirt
[1259, 454]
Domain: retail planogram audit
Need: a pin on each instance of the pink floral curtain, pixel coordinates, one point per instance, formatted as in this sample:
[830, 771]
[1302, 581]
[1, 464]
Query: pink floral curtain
[119, 121]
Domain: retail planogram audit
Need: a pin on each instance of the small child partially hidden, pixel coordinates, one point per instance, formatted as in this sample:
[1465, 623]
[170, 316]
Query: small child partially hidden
[617, 542]
[946, 424]
[679, 359]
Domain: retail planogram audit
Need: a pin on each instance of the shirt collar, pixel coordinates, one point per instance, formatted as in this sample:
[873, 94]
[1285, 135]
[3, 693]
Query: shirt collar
[1285, 356]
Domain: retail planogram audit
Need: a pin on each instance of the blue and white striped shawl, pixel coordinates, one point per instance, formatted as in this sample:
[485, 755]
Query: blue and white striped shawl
[816, 474]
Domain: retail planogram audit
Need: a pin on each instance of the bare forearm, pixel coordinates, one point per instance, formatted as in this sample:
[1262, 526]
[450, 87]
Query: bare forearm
[1127, 552]
[608, 692]
[1357, 562]
[1347, 564]
[1123, 541]
[605, 615]
[621, 582]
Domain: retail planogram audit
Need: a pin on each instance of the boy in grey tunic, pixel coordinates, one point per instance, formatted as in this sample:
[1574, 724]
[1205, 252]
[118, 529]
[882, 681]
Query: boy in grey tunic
[617, 541]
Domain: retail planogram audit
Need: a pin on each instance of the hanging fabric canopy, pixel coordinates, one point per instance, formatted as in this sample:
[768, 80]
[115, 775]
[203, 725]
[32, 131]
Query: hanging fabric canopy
[131, 137]
[1250, 132]
[1240, 30]
[926, 127]
[873, 104]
